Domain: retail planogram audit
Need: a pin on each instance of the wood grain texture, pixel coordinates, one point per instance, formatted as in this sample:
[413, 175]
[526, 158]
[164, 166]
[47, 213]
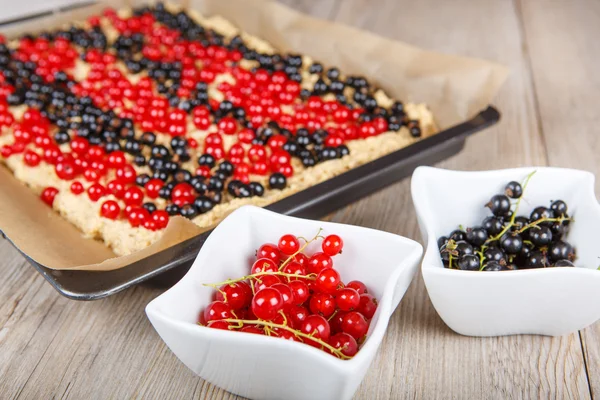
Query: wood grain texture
[564, 58]
[51, 347]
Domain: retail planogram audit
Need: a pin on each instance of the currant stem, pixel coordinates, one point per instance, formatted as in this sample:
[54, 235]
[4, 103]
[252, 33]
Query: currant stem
[512, 219]
[311, 277]
[335, 351]
[539, 221]
[301, 249]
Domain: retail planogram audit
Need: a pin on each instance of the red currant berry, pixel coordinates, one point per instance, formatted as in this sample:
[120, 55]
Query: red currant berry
[297, 315]
[182, 193]
[285, 334]
[316, 326]
[79, 145]
[160, 218]
[96, 153]
[126, 174]
[153, 186]
[263, 265]
[327, 280]
[110, 209]
[360, 287]
[253, 329]
[116, 159]
[219, 324]
[367, 306]
[269, 251]
[318, 262]
[323, 304]
[332, 245]
[31, 158]
[347, 299]
[213, 139]
[137, 216]
[238, 295]
[77, 187]
[246, 135]
[65, 170]
[336, 321]
[227, 125]
[133, 196]
[265, 281]
[294, 268]
[217, 310]
[286, 294]
[345, 343]
[288, 244]
[355, 324]
[150, 224]
[301, 259]
[267, 303]
[96, 191]
[48, 195]
[300, 292]
[116, 188]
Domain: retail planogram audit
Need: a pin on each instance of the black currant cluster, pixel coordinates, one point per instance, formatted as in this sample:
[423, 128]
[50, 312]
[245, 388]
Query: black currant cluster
[505, 241]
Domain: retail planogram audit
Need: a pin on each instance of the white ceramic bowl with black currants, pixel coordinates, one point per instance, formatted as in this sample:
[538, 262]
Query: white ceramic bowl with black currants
[510, 251]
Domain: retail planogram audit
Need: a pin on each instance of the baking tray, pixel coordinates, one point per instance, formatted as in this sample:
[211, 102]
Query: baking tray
[168, 266]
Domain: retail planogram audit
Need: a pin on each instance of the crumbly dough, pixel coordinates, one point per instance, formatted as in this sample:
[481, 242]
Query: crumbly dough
[124, 239]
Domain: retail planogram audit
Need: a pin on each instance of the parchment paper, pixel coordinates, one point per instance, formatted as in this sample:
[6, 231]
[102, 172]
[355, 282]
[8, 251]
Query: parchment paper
[455, 88]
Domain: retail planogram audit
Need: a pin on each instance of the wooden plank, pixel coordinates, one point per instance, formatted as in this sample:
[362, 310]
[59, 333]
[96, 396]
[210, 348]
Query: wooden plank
[420, 357]
[53, 347]
[564, 58]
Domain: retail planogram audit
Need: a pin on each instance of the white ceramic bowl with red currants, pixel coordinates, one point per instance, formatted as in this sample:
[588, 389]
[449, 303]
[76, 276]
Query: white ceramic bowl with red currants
[280, 307]
[502, 262]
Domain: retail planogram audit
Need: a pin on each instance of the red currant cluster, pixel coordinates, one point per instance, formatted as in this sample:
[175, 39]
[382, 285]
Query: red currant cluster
[297, 297]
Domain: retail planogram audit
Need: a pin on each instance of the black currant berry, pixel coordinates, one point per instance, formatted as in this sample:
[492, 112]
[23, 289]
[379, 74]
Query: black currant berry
[499, 205]
[463, 248]
[494, 266]
[477, 236]
[188, 211]
[469, 262]
[541, 213]
[513, 190]
[536, 259]
[559, 207]
[492, 225]
[494, 254]
[206, 159]
[563, 263]
[277, 181]
[561, 251]
[257, 189]
[173, 209]
[458, 235]
[540, 235]
[442, 241]
[511, 243]
[203, 204]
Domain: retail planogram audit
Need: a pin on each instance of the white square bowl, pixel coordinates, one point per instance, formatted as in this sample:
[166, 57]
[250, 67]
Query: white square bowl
[261, 367]
[550, 301]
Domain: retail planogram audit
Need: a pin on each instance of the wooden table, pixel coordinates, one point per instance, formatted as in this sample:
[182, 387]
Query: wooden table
[51, 347]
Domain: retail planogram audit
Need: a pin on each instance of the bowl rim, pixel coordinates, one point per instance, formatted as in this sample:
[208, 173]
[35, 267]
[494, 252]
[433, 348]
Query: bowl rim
[419, 179]
[377, 332]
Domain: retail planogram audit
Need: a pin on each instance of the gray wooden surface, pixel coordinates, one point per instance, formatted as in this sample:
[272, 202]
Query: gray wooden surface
[51, 347]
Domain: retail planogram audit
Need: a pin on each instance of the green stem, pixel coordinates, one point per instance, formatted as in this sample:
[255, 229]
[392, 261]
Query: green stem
[333, 350]
[541, 220]
[311, 277]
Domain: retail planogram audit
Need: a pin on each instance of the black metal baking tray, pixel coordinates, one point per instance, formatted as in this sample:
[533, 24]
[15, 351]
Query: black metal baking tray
[167, 267]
